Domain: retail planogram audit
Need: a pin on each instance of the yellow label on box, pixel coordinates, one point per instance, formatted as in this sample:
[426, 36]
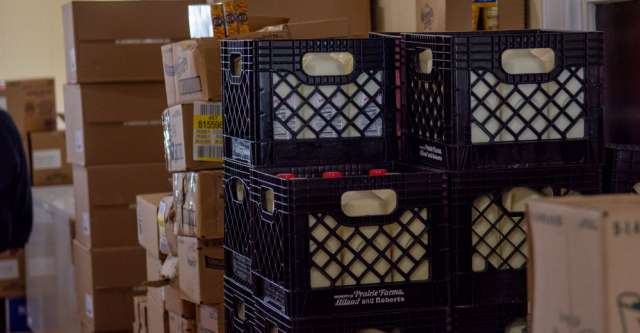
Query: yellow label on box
[207, 132]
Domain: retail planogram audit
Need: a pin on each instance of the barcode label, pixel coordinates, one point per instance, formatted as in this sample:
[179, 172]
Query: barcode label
[207, 132]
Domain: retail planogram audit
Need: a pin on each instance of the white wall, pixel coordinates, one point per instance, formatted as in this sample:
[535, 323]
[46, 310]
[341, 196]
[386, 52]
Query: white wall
[31, 41]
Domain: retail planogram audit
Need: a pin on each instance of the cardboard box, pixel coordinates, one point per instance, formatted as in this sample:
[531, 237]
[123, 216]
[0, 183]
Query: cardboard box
[114, 123]
[329, 28]
[49, 159]
[106, 199]
[178, 324]
[107, 310]
[211, 318]
[193, 136]
[203, 205]
[167, 228]
[118, 185]
[148, 230]
[98, 269]
[442, 15]
[105, 226]
[109, 42]
[31, 104]
[585, 273]
[357, 12]
[201, 270]
[12, 274]
[140, 314]
[158, 316]
[175, 303]
[192, 71]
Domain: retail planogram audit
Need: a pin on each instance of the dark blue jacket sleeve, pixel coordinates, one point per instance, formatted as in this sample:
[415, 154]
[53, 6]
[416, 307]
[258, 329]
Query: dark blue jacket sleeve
[16, 211]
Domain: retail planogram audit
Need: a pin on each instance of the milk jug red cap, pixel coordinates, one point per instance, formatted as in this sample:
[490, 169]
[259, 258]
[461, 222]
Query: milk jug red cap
[332, 174]
[287, 176]
[377, 172]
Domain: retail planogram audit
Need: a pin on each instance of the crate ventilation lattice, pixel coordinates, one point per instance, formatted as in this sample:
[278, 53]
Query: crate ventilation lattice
[502, 112]
[498, 232]
[327, 111]
[347, 256]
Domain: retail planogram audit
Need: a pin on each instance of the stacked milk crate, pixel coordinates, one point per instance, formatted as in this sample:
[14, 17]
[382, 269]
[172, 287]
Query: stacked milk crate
[325, 231]
[623, 168]
[113, 103]
[510, 116]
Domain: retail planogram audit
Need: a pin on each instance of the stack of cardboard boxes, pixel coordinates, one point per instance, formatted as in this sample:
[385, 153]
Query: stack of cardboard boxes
[113, 105]
[32, 106]
[183, 232]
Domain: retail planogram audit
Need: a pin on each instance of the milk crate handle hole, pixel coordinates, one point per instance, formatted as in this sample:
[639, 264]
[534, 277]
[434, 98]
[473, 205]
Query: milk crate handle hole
[528, 61]
[236, 64]
[328, 63]
[238, 190]
[369, 203]
[425, 61]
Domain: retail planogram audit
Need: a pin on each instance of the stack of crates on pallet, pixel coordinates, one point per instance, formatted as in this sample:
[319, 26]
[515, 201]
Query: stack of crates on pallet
[623, 169]
[325, 231]
[510, 116]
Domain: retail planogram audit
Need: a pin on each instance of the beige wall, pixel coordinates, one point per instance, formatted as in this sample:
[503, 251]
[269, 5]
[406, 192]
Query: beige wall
[31, 41]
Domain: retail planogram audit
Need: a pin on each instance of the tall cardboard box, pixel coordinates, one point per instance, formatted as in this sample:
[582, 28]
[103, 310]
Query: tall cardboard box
[106, 199]
[201, 270]
[98, 269]
[31, 104]
[114, 123]
[584, 270]
[156, 312]
[119, 41]
[49, 159]
[109, 310]
[12, 274]
[442, 15]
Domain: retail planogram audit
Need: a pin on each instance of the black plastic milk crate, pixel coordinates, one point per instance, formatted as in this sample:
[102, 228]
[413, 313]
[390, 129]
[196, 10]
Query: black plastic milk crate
[316, 253]
[500, 318]
[623, 169]
[467, 109]
[396, 39]
[239, 307]
[489, 229]
[398, 320]
[277, 114]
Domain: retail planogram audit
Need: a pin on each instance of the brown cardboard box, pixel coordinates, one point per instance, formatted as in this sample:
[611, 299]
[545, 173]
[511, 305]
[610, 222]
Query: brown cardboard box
[358, 12]
[106, 199]
[192, 71]
[211, 318]
[148, 230]
[329, 28]
[441, 15]
[178, 324]
[118, 185]
[175, 303]
[12, 274]
[193, 136]
[98, 269]
[140, 314]
[49, 159]
[107, 226]
[158, 316]
[32, 105]
[203, 205]
[585, 272]
[114, 123]
[110, 42]
[107, 310]
[201, 270]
